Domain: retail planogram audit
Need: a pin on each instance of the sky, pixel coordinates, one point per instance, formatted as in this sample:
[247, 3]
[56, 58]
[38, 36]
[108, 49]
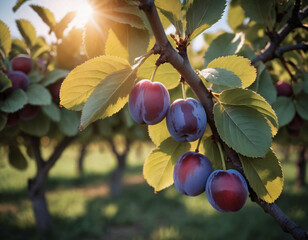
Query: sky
[60, 8]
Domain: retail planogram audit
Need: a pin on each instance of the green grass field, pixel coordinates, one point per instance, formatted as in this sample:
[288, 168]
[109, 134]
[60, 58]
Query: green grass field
[81, 207]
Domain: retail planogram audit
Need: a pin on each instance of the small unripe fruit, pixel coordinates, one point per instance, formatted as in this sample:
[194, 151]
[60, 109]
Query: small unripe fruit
[19, 81]
[23, 63]
[226, 190]
[148, 102]
[283, 89]
[186, 120]
[191, 172]
[29, 112]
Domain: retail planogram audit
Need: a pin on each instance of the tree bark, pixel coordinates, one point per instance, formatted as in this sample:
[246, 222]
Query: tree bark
[117, 175]
[80, 162]
[301, 167]
[36, 185]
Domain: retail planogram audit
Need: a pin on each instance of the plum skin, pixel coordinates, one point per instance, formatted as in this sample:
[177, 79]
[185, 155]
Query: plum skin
[226, 190]
[19, 81]
[23, 63]
[283, 89]
[191, 172]
[186, 120]
[148, 102]
[54, 90]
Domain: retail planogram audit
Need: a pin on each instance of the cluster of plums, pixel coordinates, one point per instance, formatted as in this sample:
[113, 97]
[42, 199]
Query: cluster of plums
[22, 65]
[284, 89]
[149, 103]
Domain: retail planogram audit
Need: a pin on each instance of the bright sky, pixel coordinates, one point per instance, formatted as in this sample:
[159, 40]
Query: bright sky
[60, 8]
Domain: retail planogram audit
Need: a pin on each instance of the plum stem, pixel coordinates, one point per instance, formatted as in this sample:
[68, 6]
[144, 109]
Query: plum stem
[153, 74]
[183, 90]
[198, 145]
[221, 156]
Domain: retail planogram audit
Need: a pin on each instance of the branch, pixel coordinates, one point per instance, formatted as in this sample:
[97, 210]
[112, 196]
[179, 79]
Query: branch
[57, 152]
[181, 63]
[268, 53]
[36, 146]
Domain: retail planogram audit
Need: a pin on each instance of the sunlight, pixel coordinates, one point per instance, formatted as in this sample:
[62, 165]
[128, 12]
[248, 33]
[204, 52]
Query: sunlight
[84, 13]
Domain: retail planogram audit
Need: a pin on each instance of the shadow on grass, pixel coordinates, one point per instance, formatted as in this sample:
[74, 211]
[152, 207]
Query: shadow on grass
[141, 215]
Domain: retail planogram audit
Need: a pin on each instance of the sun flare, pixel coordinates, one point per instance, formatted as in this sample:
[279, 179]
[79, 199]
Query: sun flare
[83, 14]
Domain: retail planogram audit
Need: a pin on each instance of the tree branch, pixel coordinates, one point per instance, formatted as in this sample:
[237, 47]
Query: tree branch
[269, 52]
[181, 63]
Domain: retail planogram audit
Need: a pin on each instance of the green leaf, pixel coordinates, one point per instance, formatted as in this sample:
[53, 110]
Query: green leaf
[18, 4]
[3, 120]
[19, 46]
[27, 31]
[14, 102]
[259, 10]
[301, 105]
[35, 76]
[16, 158]
[5, 82]
[5, 38]
[39, 126]
[244, 129]
[239, 66]
[53, 76]
[265, 87]
[45, 14]
[224, 45]
[201, 14]
[69, 122]
[38, 95]
[285, 110]
[248, 98]
[221, 76]
[158, 167]
[37, 50]
[236, 16]
[172, 10]
[125, 14]
[212, 153]
[63, 24]
[166, 74]
[109, 96]
[52, 111]
[264, 176]
[81, 81]
[158, 132]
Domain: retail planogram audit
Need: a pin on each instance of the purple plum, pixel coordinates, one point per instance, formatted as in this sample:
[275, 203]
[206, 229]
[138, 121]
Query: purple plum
[226, 190]
[23, 63]
[19, 81]
[283, 89]
[191, 172]
[186, 120]
[148, 102]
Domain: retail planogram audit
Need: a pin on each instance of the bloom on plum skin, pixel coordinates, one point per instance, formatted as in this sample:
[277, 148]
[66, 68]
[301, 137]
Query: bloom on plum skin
[226, 191]
[186, 120]
[191, 172]
[148, 102]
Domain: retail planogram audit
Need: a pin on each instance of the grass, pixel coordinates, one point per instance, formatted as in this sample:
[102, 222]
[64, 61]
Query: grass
[81, 207]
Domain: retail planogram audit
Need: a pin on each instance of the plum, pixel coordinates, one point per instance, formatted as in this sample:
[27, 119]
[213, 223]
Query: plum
[186, 120]
[226, 190]
[23, 63]
[283, 89]
[148, 102]
[19, 81]
[29, 112]
[12, 119]
[295, 126]
[54, 90]
[191, 172]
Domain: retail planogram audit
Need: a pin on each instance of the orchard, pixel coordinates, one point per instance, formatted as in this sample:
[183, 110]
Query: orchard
[222, 119]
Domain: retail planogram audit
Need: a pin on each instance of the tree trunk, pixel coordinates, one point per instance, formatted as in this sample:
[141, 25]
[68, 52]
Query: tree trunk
[301, 167]
[116, 176]
[37, 196]
[82, 154]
